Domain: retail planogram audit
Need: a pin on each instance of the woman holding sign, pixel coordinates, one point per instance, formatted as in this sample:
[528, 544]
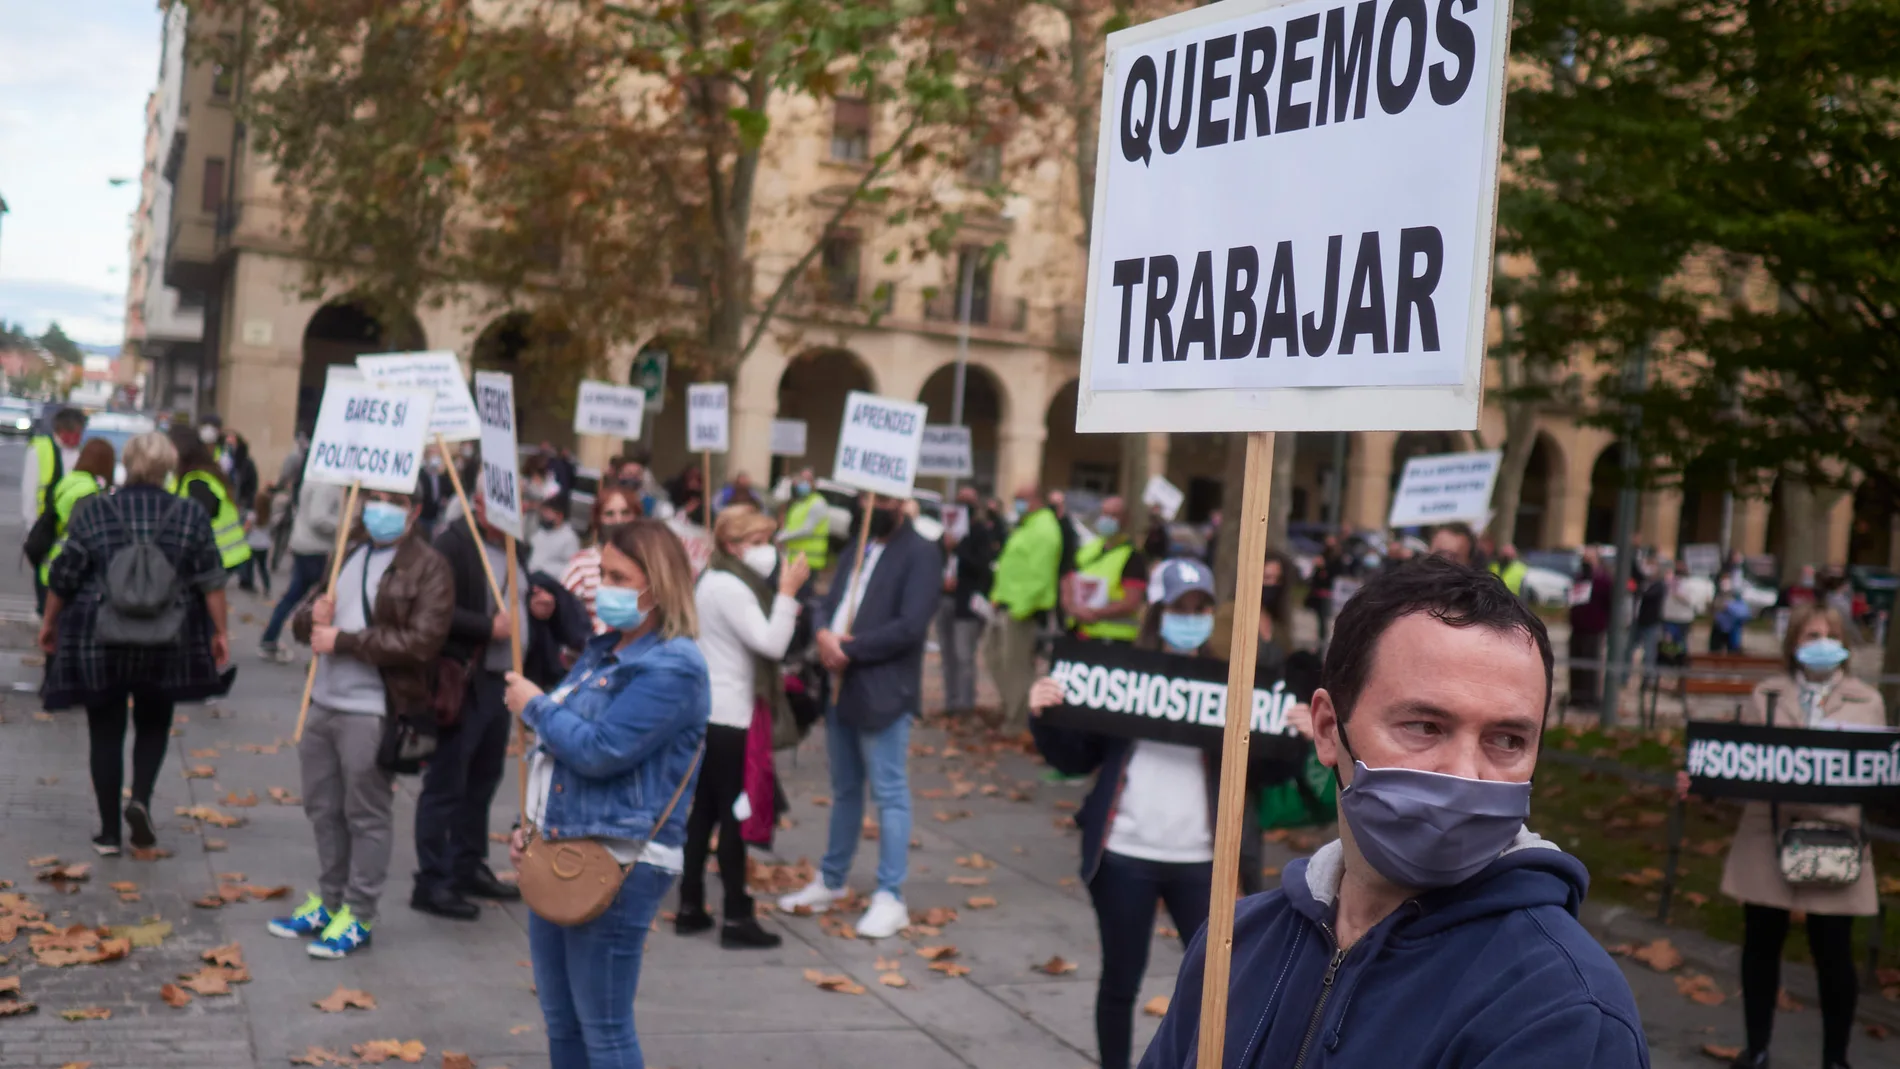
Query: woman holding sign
[1148, 822]
[1817, 692]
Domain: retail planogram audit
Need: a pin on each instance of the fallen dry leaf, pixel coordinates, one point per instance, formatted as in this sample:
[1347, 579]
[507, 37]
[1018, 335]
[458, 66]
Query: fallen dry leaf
[209, 815]
[199, 772]
[520, 1029]
[206, 981]
[968, 881]
[1878, 1031]
[174, 996]
[149, 853]
[945, 816]
[241, 801]
[148, 935]
[231, 954]
[891, 979]
[45, 859]
[346, 998]
[377, 1051]
[87, 1013]
[976, 861]
[1695, 898]
[455, 1059]
[1787, 1003]
[282, 796]
[266, 894]
[950, 968]
[124, 887]
[881, 965]
[319, 1056]
[212, 846]
[934, 917]
[1721, 1053]
[73, 873]
[1645, 878]
[1660, 955]
[14, 1007]
[981, 902]
[1700, 988]
[201, 755]
[230, 877]
[820, 800]
[210, 901]
[1156, 1006]
[837, 982]
[1056, 966]
[937, 953]
[76, 1065]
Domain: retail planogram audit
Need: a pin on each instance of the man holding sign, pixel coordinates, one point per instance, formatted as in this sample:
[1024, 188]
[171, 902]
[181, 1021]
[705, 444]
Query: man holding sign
[1436, 916]
[873, 624]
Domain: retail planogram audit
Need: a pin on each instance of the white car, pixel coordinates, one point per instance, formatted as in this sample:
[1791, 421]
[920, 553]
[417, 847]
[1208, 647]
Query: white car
[1545, 586]
[116, 429]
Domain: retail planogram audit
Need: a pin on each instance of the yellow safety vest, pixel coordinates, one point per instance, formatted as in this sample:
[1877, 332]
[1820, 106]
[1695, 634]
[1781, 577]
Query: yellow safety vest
[1512, 574]
[815, 546]
[46, 451]
[1099, 561]
[227, 527]
[73, 487]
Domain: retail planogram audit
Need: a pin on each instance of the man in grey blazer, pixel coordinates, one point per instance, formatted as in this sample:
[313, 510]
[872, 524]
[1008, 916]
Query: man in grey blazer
[873, 636]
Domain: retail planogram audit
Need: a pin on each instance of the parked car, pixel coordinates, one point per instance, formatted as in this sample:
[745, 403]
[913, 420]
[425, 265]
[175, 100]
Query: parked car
[17, 416]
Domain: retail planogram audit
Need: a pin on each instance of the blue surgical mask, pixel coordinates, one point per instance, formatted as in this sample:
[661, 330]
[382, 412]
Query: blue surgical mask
[1821, 654]
[1107, 526]
[801, 488]
[619, 607]
[1186, 631]
[1019, 508]
[1424, 830]
[384, 522]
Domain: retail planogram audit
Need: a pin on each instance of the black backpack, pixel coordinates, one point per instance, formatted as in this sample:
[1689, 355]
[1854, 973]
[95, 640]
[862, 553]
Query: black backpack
[45, 532]
[142, 603]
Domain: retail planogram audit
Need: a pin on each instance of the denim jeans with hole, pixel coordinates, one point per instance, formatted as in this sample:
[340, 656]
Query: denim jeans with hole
[587, 976]
[883, 759]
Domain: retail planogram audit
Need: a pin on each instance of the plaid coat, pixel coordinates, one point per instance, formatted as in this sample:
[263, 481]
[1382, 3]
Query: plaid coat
[80, 669]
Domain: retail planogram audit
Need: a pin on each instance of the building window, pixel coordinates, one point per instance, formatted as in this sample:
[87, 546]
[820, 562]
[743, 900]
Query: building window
[974, 266]
[850, 130]
[838, 262]
[211, 199]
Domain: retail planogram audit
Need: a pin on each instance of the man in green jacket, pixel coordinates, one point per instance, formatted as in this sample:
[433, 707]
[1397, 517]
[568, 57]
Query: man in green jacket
[1024, 589]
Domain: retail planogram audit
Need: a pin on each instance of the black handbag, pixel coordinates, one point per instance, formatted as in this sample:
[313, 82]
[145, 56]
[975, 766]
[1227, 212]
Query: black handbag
[406, 745]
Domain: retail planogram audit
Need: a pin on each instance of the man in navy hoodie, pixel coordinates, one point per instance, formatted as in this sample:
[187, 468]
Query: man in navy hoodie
[1437, 931]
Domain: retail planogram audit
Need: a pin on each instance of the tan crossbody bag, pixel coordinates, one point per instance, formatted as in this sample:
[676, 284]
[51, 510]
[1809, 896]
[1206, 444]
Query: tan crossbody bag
[571, 882]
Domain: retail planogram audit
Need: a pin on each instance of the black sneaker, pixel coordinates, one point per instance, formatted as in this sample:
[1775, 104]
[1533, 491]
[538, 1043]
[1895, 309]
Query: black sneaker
[747, 935]
[692, 922]
[105, 846]
[139, 818]
[1751, 1059]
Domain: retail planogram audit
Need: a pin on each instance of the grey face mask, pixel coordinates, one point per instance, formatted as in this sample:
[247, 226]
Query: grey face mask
[1426, 829]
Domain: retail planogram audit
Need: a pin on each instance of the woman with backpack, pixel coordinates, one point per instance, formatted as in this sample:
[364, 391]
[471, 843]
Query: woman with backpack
[135, 615]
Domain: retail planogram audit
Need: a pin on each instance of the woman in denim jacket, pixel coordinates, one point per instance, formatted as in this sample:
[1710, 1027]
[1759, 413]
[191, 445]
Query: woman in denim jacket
[618, 739]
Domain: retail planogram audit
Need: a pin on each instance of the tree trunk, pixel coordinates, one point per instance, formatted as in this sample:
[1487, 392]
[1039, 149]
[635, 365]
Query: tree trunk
[1280, 496]
[1520, 436]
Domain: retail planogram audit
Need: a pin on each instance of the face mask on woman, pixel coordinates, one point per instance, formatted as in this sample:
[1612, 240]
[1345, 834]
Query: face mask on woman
[208, 434]
[761, 559]
[384, 522]
[1821, 654]
[619, 607]
[1107, 526]
[1186, 631]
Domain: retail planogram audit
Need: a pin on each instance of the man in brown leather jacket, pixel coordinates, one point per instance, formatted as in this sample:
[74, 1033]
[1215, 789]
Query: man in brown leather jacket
[377, 640]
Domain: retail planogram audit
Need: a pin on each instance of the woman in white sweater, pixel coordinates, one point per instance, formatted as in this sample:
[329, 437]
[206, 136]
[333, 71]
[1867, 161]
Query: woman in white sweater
[745, 626]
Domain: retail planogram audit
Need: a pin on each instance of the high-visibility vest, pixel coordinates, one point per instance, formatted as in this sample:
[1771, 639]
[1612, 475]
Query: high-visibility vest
[46, 452]
[816, 546]
[227, 527]
[72, 488]
[1512, 574]
[1098, 561]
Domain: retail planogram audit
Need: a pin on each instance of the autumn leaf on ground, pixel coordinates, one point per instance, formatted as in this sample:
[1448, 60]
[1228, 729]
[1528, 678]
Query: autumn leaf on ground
[1700, 988]
[212, 846]
[455, 1059]
[76, 1065]
[209, 815]
[968, 881]
[230, 877]
[282, 796]
[345, 998]
[174, 996]
[976, 861]
[14, 1007]
[44, 859]
[206, 981]
[319, 1056]
[10, 985]
[1695, 898]
[820, 800]
[149, 853]
[937, 953]
[1878, 1031]
[124, 887]
[1056, 966]
[1645, 878]
[1660, 955]
[210, 901]
[837, 982]
[202, 755]
[945, 816]
[73, 873]
[934, 917]
[981, 902]
[950, 968]
[1156, 1006]
[377, 1051]
[87, 1013]
[1721, 1053]
[1787, 1003]
[148, 935]
[520, 1029]
[888, 964]
[199, 772]
[231, 954]
[891, 979]
[241, 801]
[266, 894]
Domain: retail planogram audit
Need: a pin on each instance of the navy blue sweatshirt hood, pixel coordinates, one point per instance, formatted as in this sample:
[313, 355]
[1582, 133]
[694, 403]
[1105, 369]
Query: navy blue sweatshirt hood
[1493, 972]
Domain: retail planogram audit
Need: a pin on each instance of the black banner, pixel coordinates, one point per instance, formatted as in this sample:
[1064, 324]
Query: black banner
[1728, 760]
[1144, 694]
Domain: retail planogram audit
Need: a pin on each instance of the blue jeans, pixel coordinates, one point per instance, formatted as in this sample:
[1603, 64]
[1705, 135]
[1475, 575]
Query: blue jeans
[883, 757]
[306, 574]
[1125, 891]
[587, 976]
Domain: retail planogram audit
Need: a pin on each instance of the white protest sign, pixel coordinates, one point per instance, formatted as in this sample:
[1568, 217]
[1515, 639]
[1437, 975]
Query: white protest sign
[1163, 495]
[501, 477]
[369, 434]
[438, 372]
[1440, 489]
[1283, 204]
[956, 522]
[614, 411]
[788, 437]
[878, 442]
[946, 451]
[1702, 558]
[706, 417]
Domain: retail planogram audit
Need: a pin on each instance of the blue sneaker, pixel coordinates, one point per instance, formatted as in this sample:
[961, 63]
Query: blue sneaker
[344, 936]
[310, 919]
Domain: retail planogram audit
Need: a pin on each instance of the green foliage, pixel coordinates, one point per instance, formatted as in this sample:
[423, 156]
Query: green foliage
[62, 348]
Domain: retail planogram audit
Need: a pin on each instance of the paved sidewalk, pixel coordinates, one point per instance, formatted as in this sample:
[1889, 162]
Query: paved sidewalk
[464, 987]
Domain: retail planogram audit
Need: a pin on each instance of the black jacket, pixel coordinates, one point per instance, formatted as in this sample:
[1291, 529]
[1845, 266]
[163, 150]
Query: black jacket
[884, 680]
[433, 490]
[473, 624]
[976, 565]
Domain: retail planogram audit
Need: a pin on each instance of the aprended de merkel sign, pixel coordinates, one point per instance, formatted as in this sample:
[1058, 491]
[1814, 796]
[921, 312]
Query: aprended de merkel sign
[1295, 195]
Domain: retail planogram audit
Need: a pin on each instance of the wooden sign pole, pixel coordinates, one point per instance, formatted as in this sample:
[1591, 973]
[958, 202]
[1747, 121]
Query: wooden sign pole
[1242, 651]
[857, 566]
[512, 607]
[343, 524]
[455, 480]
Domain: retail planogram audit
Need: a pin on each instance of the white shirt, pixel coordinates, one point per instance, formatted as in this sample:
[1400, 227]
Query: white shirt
[732, 630]
[1162, 812]
[30, 479]
[551, 548]
[854, 597]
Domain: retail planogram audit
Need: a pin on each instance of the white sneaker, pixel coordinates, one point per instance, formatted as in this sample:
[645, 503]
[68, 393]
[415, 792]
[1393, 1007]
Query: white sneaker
[887, 916]
[815, 897]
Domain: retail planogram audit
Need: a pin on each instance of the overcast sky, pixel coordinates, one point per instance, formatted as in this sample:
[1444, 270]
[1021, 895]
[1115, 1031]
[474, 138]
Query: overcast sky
[73, 80]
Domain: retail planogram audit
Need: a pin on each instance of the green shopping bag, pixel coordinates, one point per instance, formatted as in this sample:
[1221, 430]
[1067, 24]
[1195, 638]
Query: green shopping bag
[1304, 801]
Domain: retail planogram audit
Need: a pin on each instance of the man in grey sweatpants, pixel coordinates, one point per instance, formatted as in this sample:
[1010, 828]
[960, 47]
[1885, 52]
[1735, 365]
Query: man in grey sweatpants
[377, 639]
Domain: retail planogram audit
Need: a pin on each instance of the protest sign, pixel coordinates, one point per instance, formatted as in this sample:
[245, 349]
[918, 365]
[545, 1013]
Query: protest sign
[1702, 558]
[707, 419]
[1729, 760]
[1444, 488]
[605, 409]
[788, 437]
[501, 477]
[1296, 209]
[956, 522]
[369, 435]
[438, 372]
[878, 443]
[1163, 495]
[1115, 689]
[946, 452]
